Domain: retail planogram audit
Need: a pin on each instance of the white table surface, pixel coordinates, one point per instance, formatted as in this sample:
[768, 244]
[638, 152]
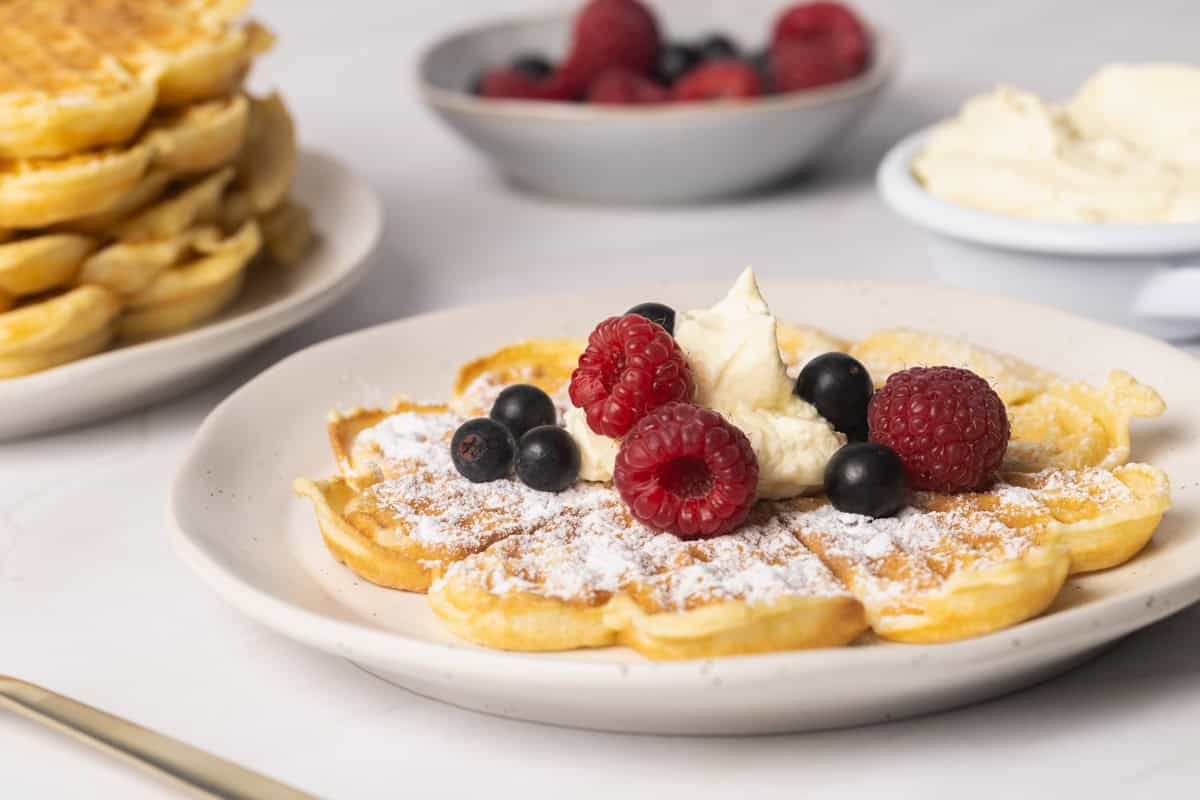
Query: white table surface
[94, 604]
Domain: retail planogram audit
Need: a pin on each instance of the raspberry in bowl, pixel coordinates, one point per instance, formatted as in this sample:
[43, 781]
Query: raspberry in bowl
[666, 101]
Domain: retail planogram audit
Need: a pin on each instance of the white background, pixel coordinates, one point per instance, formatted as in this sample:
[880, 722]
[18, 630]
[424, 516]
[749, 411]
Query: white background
[94, 604]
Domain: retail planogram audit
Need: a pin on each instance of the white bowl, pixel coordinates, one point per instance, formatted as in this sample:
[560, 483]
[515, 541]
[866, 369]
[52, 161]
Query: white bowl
[348, 218]
[672, 153]
[1145, 277]
[238, 524]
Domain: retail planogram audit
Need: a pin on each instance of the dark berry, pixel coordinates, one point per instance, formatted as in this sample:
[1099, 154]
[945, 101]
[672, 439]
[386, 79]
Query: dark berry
[522, 407]
[761, 61]
[656, 312]
[674, 61]
[840, 388]
[482, 450]
[717, 47]
[534, 65]
[865, 478]
[548, 459]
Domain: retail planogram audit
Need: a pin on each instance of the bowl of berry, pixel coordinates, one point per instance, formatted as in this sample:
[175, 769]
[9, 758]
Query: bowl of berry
[629, 102]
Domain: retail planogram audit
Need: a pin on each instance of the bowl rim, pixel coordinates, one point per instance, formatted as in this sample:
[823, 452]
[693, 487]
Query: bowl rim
[905, 195]
[879, 72]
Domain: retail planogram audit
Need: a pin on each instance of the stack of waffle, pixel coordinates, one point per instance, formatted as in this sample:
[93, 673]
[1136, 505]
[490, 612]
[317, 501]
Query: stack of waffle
[138, 182]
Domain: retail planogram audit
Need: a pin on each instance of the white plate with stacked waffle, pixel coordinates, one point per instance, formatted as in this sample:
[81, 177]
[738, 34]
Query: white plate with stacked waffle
[145, 195]
[738, 634]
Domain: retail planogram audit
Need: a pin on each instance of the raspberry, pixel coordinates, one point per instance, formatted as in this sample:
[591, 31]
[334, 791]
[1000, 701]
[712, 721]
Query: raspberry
[685, 470]
[948, 426]
[796, 66]
[827, 26]
[631, 366]
[717, 80]
[621, 86]
[512, 84]
[608, 33]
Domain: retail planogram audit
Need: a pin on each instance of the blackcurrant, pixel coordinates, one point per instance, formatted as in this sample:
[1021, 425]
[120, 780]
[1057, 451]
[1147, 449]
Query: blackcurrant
[482, 450]
[840, 388]
[656, 312]
[522, 407]
[865, 478]
[548, 459]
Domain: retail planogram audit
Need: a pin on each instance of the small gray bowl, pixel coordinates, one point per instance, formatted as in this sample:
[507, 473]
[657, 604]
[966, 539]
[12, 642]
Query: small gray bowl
[646, 154]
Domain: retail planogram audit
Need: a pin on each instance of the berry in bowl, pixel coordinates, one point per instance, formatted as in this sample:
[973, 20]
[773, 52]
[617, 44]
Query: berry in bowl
[623, 101]
[1091, 205]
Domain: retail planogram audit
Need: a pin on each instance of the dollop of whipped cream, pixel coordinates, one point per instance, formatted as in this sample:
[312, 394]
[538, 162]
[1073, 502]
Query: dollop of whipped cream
[1125, 149]
[734, 356]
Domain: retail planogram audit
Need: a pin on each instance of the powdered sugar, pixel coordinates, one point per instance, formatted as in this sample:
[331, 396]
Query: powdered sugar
[581, 545]
[410, 437]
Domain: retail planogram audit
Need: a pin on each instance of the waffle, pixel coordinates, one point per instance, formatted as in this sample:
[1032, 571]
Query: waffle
[76, 75]
[287, 232]
[512, 568]
[88, 185]
[267, 163]
[132, 163]
[40, 263]
[898, 349]
[149, 189]
[200, 137]
[193, 291]
[54, 330]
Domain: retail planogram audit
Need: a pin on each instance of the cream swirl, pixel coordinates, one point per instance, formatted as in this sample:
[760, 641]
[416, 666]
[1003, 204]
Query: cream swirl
[734, 356]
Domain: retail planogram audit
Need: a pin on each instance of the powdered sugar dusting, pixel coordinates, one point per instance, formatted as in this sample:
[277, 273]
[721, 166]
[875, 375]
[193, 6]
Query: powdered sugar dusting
[410, 438]
[581, 545]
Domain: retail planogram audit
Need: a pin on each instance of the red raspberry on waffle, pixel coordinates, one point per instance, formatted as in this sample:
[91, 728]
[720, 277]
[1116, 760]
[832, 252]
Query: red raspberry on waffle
[685, 470]
[631, 366]
[948, 426]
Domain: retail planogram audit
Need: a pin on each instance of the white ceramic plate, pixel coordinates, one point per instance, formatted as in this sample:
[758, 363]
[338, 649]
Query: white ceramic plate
[238, 524]
[348, 218]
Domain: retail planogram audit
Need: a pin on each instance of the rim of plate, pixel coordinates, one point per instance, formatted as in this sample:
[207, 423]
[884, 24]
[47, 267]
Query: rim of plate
[908, 198]
[127, 355]
[885, 57]
[1117, 614]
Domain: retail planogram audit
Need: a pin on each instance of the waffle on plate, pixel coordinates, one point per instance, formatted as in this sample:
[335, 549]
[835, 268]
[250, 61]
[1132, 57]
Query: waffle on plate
[510, 567]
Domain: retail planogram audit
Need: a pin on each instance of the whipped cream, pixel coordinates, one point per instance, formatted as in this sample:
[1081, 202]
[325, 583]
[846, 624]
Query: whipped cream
[597, 453]
[738, 371]
[1125, 149]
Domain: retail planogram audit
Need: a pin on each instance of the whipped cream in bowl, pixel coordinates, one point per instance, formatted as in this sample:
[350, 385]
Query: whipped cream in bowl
[738, 371]
[1091, 205]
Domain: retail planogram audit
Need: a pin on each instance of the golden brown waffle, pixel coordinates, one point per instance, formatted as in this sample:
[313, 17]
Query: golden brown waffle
[513, 568]
[193, 291]
[76, 75]
[39, 263]
[132, 164]
[46, 332]
[894, 350]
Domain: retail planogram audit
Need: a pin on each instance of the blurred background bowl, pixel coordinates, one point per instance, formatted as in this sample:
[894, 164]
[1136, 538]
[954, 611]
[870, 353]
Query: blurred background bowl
[645, 154]
[1140, 276]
